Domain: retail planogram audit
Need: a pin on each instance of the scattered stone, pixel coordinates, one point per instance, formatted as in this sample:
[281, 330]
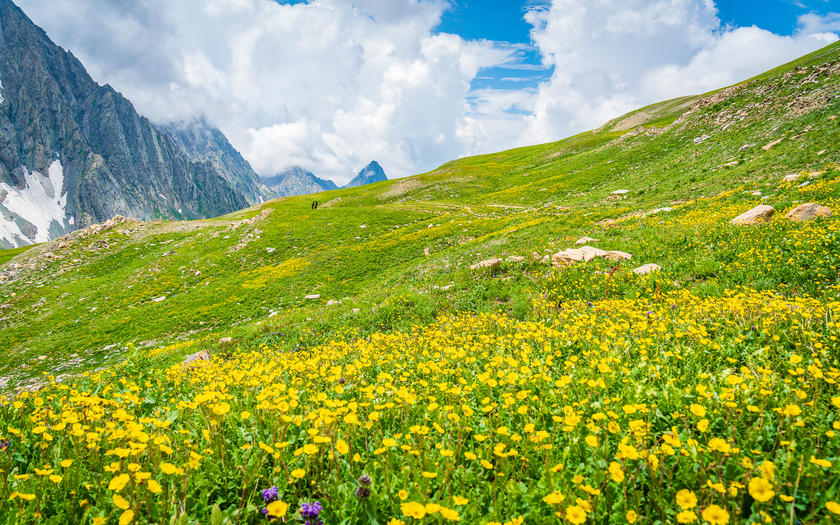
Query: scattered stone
[647, 268]
[822, 152]
[332, 302]
[426, 252]
[488, 263]
[584, 240]
[590, 252]
[701, 138]
[430, 226]
[806, 183]
[808, 211]
[313, 296]
[270, 250]
[615, 255]
[224, 340]
[756, 194]
[792, 177]
[159, 299]
[769, 145]
[363, 226]
[515, 258]
[356, 310]
[620, 192]
[193, 359]
[42, 357]
[759, 214]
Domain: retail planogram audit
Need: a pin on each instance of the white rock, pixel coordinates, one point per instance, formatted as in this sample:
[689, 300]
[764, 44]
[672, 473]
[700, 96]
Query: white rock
[332, 302]
[584, 240]
[312, 296]
[615, 255]
[488, 263]
[808, 211]
[620, 192]
[159, 299]
[759, 214]
[792, 177]
[647, 268]
[270, 250]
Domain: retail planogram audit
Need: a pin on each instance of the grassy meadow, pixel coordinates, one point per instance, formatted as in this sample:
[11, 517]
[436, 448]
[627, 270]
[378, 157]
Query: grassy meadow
[415, 390]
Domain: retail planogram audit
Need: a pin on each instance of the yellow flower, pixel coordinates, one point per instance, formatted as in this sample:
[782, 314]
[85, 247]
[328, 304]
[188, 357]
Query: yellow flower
[686, 516]
[154, 486]
[121, 502]
[310, 449]
[575, 515]
[404, 494]
[616, 472]
[245, 415]
[119, 482]
[486, 464]
[56, 479]
[277, 509]
[22, 477]
[169, 468]
[342, 447]
[266, 448]
[697, 410]
[631, 516]
[686, 499]
[592, 441]
[703, 425]
[47, 472]
[126, 517]
[768, 470]
[221, 409]
[820, 462]
[458, 500]
[715, 515]
[429, 475]
[412, 509]
[761, 489]
[395, 521]
[298, 473]
[786, 499]
[66, 463]
[833, 507]
[554, 498]
[99, 520]
[720, 445]
[432, 508]
[451, 515]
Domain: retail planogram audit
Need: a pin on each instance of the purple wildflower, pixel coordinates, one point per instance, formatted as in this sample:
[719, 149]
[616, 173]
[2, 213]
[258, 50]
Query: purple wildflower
[310, 510]
[269, 495]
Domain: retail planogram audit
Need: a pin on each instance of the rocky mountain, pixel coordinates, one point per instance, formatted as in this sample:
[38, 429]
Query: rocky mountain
[297, 181]
[200, 141]
[73, 152]
[371, 173]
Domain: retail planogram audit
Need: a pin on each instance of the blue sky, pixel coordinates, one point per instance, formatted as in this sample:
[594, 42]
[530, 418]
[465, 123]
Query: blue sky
[503, 20]
[330, 85]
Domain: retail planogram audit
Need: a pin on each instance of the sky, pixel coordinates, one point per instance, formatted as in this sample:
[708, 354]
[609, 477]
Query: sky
[330, 85]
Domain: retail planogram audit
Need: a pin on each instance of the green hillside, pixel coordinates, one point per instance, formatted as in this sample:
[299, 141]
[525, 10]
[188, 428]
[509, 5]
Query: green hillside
[612, 394]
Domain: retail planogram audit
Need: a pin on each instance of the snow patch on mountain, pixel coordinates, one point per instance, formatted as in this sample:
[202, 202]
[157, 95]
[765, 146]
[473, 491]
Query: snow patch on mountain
[40, 203]
[1, 92]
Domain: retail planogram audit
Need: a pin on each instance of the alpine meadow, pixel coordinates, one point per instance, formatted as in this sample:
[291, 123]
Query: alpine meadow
[574, 332]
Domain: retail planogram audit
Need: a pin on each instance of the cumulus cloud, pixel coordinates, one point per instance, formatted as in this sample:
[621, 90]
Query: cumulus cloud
[613, 56]
[330, 85]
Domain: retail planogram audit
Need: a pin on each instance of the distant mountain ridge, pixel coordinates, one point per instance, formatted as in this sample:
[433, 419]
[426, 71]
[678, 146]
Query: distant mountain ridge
[371, 173]
[298, 181]
[200, 141]
[73, 152]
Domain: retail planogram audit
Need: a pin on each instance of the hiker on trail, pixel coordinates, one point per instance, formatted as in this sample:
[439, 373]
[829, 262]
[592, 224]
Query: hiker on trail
[314, 205]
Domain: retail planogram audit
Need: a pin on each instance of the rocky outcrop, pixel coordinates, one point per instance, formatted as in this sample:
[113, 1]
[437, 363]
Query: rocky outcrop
[760, 214]
[808, 211]
[200, 141]
[646, 269]
[371, 173]
[297, 181]
[74, 153]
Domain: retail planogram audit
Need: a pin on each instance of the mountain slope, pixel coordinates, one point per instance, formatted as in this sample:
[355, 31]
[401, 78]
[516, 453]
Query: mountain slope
[200, 141]
[74, 153]
[371, 173]
[297, 181]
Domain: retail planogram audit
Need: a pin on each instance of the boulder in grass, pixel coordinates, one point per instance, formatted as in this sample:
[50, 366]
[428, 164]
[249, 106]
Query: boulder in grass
[487, 263]
[807, 211]
[590, 252]
[584, 240]
[646, 269]
[193, 359]
[760, 214]
[615, 255]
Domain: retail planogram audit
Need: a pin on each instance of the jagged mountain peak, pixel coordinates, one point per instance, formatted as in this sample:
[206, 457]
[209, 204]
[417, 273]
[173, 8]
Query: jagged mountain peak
[371, 173]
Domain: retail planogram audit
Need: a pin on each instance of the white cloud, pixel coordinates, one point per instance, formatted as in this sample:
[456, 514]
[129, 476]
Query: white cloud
[330, 85]
[613, 56]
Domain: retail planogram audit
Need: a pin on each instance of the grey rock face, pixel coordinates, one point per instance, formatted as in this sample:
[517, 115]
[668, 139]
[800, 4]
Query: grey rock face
[371, 173]
[60, 128]
[200, 141]
[297, 181]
